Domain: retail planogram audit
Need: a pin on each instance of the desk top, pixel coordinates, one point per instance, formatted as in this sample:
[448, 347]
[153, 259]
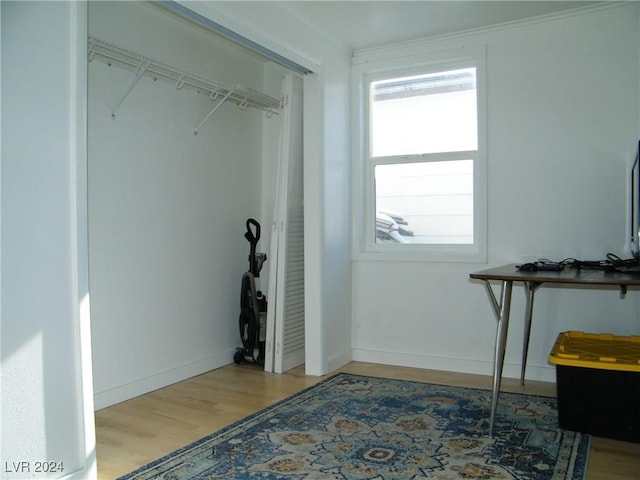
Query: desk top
[566, 276]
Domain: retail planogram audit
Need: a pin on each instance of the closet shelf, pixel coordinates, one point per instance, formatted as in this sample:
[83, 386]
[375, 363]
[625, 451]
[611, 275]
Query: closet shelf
[142, 66]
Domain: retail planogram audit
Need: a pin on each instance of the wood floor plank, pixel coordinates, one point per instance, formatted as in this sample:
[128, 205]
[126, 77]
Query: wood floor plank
[140, 430]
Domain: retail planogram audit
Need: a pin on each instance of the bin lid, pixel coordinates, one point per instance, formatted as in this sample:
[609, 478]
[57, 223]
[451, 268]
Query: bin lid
[603, 351]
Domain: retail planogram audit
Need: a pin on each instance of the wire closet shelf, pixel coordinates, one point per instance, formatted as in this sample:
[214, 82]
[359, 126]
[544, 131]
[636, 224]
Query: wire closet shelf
[142, 66]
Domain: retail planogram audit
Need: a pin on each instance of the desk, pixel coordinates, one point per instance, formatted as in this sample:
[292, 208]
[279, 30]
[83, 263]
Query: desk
[532, 280]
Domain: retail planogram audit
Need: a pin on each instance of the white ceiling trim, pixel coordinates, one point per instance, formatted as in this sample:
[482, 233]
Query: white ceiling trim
[372, 52]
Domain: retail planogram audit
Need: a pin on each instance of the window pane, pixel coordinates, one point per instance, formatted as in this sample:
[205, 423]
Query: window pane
[425, 202]
[424, 114]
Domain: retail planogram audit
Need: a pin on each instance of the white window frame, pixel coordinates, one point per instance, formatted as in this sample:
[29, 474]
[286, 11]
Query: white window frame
[374, 67]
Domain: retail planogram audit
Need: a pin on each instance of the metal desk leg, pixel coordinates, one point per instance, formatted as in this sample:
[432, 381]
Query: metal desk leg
[530, 288]
[501, 311]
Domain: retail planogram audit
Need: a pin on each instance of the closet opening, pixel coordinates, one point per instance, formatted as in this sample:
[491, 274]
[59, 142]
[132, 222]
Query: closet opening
[189, 135]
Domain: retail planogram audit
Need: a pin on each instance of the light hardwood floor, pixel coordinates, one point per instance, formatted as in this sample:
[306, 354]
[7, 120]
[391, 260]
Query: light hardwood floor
[138, 431]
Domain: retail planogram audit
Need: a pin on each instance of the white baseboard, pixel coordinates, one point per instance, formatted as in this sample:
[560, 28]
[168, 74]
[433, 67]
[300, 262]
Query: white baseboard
[542, 373]
[340, 360]
[139, 387]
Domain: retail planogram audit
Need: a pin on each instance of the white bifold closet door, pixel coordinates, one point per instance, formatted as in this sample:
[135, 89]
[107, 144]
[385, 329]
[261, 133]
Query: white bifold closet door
[285, 335]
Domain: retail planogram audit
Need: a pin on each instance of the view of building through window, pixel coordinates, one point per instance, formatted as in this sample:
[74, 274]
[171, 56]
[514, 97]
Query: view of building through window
[420, 196]
[435, 199]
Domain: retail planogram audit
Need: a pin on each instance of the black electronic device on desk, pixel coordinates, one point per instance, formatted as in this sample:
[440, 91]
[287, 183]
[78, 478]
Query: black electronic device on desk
[540, 266]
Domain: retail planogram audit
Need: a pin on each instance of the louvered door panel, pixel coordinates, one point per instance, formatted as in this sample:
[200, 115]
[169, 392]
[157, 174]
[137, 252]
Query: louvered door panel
[286, 314]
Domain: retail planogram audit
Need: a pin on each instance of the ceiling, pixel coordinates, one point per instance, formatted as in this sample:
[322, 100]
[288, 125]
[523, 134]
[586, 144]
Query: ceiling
[361, 24]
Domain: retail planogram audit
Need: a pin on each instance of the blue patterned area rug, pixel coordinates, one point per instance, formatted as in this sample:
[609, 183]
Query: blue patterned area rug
[356, 427]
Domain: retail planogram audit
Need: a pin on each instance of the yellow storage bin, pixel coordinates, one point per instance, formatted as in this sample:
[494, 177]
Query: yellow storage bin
[603, 351]
[598, 379]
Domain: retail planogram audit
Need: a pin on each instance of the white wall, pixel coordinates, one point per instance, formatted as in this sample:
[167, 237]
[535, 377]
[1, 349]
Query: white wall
[326, 164]
[167, 209]
[46, 392]
[563, 125]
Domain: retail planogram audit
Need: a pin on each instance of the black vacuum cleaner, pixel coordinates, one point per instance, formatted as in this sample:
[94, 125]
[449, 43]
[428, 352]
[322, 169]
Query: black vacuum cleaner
[253, 304]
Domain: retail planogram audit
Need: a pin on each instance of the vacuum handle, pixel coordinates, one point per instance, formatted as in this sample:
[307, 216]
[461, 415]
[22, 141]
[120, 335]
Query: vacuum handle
[252, 236]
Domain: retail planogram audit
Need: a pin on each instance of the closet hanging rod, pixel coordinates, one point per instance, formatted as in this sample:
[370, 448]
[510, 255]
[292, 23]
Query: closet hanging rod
[143, 66]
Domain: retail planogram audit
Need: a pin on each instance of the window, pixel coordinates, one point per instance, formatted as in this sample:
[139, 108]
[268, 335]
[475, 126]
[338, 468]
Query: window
[421, 164]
